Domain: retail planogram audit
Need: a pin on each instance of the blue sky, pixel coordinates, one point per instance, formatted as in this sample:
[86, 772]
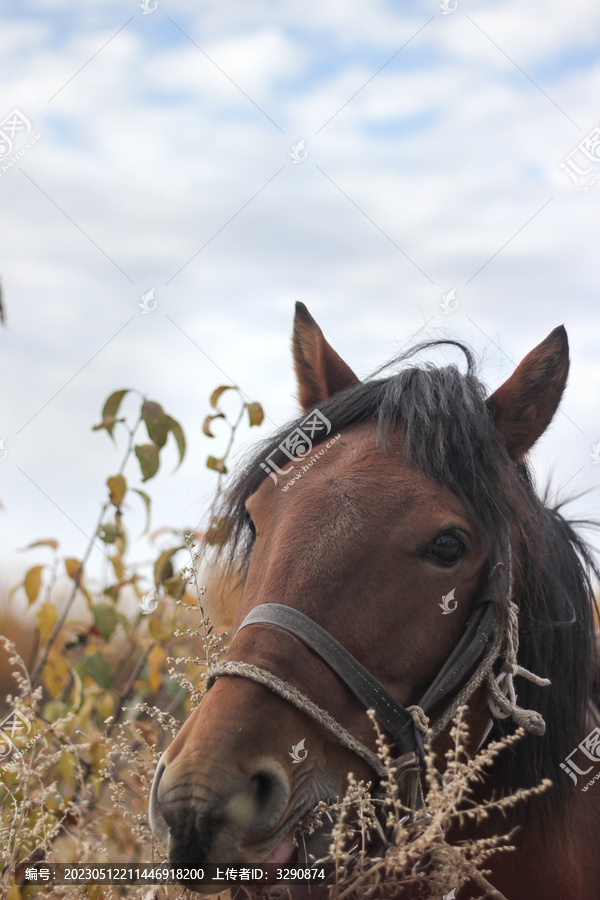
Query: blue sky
[438, 169]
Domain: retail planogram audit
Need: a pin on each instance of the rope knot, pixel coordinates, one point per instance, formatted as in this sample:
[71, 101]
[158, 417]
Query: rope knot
[419, 717]
[502, 694]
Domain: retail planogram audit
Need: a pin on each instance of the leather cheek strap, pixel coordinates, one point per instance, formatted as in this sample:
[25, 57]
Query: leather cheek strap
[390, 713]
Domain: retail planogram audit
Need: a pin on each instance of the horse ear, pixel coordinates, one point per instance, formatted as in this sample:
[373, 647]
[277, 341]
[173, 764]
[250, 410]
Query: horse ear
[525, 404]
[319, 370]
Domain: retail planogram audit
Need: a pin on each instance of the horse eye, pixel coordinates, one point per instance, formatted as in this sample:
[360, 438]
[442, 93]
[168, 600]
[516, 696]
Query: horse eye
[446, 549]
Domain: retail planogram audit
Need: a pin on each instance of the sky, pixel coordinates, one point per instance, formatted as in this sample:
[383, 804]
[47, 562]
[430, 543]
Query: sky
[402, 169]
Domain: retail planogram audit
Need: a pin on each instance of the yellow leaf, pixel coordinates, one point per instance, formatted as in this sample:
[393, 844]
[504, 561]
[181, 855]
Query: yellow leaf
[49, 542]
[47, 617]
[156, 657]
[255, 413]
[14, 893]
[206, 425]
[118, 565]
[214, 397]
[106, 705]
[66, 768]
[218, 464]
[56, 672]
[117, 487]
[97, 755]
[76, 695]
[73, 566]
[33, 583]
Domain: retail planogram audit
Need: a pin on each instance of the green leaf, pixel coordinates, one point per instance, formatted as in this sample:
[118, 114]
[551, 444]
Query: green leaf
[157, 629]
[117, 487]
[110, 410]
[33, 583]
[177, 432]
[147, 501]
[98, 668]
[214, 397]
[156, 422]
[206, 425]
[147, 455]
[255, 413]
[174, 586]
[217, 464]
[163, 569]
[105, 619]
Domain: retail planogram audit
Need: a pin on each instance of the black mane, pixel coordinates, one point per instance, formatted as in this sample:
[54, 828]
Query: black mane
[451, 436]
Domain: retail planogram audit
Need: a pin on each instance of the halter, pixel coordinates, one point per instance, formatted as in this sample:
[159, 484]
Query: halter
[481, 643]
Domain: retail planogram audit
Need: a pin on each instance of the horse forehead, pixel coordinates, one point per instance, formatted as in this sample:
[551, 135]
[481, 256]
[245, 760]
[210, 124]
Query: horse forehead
[353, 471]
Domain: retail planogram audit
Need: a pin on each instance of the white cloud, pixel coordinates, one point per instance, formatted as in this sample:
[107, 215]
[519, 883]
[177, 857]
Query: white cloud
[153, 153]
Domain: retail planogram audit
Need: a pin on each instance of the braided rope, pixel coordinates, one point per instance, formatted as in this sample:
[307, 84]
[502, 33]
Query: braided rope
[420, 718]
[301, 702]
[503, 697]
[483, 670]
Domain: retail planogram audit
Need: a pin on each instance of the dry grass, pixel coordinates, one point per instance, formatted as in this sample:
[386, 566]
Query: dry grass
[111, 688]
[71, 796]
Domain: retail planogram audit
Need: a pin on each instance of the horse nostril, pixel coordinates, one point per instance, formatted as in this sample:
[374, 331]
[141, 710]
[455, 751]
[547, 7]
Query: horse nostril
[263, 783]
[261, 802]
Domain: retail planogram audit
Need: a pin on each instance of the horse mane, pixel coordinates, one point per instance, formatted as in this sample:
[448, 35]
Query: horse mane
[451, 436]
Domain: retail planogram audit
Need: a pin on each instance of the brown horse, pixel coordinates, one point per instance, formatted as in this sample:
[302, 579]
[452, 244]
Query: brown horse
[417, 488]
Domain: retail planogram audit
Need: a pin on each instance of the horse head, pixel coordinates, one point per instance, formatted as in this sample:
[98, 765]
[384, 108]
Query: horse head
[397, 505]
